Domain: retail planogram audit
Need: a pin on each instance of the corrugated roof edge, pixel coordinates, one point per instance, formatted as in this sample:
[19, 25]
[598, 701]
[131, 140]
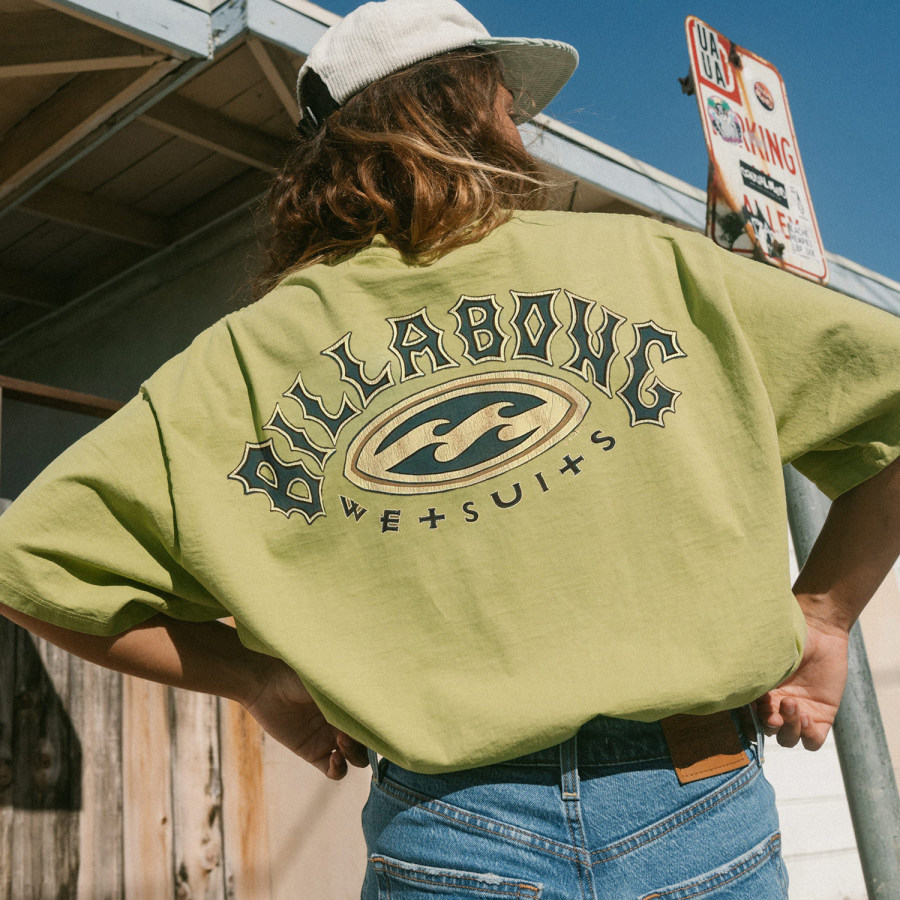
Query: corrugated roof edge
[619, 156]
[656, 191]
[638, 183]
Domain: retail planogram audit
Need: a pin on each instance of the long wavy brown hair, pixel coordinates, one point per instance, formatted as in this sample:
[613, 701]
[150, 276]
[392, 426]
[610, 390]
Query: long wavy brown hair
[420, 157]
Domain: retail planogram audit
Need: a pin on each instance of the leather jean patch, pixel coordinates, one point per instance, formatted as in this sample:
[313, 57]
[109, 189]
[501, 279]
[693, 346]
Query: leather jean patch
[701, 746]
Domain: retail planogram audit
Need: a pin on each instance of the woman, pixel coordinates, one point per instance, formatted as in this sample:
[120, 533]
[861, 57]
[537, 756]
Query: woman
[491, 493]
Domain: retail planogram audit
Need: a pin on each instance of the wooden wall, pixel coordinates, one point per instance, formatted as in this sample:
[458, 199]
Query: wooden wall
[113, 787]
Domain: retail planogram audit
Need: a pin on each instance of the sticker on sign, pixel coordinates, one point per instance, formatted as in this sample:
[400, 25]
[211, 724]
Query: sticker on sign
[758, 198]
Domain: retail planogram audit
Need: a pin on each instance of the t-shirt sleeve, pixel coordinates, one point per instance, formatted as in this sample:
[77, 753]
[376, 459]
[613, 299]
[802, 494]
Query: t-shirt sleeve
[92, 543]
[831, 368]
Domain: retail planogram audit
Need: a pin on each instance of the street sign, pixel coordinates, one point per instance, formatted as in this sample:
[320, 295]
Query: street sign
[758, 202]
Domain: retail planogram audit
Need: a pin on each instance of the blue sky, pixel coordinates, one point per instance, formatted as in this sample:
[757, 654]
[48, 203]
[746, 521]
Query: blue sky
[839, 62]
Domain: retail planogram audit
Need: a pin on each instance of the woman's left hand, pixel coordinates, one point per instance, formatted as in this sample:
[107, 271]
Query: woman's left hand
[803, 708]
[286, 711]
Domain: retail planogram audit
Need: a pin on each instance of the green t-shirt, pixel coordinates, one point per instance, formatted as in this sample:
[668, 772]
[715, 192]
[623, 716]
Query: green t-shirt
[476, 503]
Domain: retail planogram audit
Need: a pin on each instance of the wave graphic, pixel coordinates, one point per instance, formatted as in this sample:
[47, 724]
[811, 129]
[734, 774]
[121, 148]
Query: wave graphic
[460, 432]
[463, 432]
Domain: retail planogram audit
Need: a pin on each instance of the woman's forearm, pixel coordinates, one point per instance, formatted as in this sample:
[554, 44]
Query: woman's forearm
[854, 551]
[209, 657]
[198, 656]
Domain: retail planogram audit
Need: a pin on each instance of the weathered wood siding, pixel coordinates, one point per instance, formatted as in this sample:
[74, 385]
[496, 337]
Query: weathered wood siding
[39, 855]
[196, 798]
[95, 703]
[7, 653]
[112, 788]
[244, 823]
[147, 791]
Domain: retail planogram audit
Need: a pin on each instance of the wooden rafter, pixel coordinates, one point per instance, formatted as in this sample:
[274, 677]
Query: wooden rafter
[239, 193]
[204, 126]
[19, 318]
[279, 73]
[174, 29]
[97, 214]
[30, 288]
[110, 267]
[58, 398]
[76, 110]
[47, 43]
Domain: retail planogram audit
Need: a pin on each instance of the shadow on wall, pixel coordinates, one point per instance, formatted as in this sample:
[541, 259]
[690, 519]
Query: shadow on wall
[40, 753]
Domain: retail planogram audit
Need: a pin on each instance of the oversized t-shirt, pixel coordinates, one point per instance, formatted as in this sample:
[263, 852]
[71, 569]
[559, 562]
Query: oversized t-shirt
[476, 503]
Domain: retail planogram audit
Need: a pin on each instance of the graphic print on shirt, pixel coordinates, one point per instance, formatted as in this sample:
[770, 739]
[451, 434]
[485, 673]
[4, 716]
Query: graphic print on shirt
[463, 432]
[470, 428]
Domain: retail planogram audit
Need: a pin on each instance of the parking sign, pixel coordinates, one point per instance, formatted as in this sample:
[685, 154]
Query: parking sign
[758, 201]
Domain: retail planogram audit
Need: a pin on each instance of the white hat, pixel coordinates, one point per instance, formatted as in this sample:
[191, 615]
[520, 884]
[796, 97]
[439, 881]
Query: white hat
[377, 39]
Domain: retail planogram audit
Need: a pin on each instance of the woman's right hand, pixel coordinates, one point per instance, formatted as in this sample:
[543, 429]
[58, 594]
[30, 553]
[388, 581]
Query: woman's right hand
[286, 710]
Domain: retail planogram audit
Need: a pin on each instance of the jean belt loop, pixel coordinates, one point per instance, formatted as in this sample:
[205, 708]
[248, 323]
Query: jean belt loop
[760, 733]
[568, 766]
[373, 762]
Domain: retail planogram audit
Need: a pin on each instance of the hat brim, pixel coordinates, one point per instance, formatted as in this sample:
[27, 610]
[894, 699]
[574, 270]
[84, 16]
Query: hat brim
[534, 70]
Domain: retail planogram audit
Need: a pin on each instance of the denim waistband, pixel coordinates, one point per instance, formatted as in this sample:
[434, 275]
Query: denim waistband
[605, 741]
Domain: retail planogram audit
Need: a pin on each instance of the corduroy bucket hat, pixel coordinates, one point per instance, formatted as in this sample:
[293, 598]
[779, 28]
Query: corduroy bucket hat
[378, 39]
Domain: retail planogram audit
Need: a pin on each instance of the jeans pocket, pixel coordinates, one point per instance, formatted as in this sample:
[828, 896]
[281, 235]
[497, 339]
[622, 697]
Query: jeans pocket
[759, 873]
[404, 881]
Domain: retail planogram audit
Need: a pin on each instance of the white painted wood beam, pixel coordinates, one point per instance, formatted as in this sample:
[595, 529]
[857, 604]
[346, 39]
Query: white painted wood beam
[210, 129]
[279, 24]
[310, 10]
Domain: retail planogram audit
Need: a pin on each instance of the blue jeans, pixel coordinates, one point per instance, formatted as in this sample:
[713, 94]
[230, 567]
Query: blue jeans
[601, 816]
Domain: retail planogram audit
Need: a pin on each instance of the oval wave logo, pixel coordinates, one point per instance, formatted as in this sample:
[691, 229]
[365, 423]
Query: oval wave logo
[463, 432]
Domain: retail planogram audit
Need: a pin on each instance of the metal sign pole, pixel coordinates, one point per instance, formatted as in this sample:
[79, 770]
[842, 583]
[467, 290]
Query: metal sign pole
[758, 203]
[858, 731]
